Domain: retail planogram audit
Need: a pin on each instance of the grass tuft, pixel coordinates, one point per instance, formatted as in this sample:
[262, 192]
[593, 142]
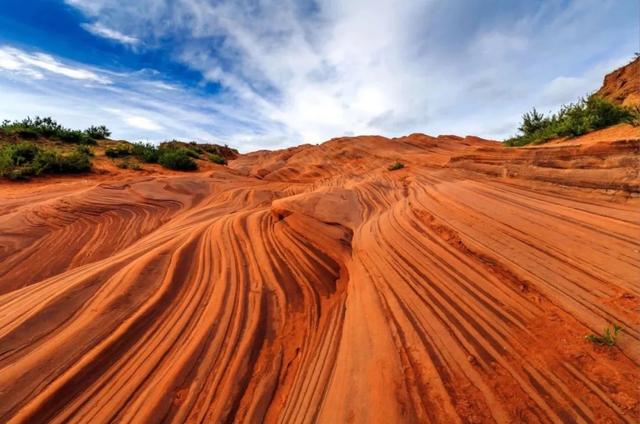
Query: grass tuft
[608, 337]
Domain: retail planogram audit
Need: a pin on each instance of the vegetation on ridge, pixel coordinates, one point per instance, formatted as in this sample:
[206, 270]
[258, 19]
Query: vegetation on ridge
[21, 161]
[37, 146]
[588, 114]
[33, 129]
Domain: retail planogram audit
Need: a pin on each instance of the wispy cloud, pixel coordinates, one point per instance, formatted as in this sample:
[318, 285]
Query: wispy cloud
[310, 72]
[100, 30]
[37, 64]
[134, 119]
[276, 73]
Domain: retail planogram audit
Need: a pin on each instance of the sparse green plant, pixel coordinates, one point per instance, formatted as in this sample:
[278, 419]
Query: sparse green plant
[127, 163]
[635, 113]
[118, 151]
[608, 337]
[216, 158]
[85, 150]
[395, 166]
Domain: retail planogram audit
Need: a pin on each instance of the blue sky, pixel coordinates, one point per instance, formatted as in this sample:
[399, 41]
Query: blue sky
[276, 73]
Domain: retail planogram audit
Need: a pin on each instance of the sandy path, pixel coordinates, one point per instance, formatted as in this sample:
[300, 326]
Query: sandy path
[319, 286]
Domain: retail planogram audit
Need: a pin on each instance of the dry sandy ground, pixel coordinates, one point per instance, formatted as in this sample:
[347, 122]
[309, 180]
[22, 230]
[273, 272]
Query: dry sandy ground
[314, 285]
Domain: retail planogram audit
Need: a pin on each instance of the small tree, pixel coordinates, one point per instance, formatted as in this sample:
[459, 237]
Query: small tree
[532, 122]
[98, 132]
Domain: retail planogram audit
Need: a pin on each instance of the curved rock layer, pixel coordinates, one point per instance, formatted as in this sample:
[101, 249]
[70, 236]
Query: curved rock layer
[314, 285]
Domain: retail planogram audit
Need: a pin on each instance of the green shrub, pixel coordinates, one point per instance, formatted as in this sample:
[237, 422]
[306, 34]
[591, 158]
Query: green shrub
[74, 163]
[85, 150]
[224, 151]
[175, 145]
[98, 132]
[216, 158]
[47, 127]
[178, 159]
[127, 163]
[635, 112]
[588, 114]
[608, 338]
[73, 136]
[27, 133]
[31, 129]
[89, 141]
[21, 161]
[192, 153]
[119, 151]
[146, 152]
[6, 160]
[50, 161]
[396, 166]
[24, 153]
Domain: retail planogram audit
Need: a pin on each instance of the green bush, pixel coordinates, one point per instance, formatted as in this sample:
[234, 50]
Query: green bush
[27, 133]
[85, 150]
[6, 160]
[216, 158]
[74, 136]
[24, 153]
[127, 163]
[396, 166]
[178, 159]
[98, 132]
[176, 145]
[588, 114]
[146, 152]
[119, 151]
[31, 129]
[74, 163]
[21, 161]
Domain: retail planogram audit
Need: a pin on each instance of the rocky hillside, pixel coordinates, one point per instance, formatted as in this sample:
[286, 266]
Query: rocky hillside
[622, 86]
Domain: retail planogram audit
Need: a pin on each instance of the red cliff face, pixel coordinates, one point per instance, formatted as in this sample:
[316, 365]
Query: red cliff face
[622, 86]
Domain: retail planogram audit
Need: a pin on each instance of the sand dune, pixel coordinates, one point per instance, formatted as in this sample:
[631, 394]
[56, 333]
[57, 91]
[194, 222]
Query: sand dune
[314, 285]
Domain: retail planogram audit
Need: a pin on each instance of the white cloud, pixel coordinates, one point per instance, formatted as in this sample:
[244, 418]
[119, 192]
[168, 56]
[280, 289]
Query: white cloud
[294, 72]
[100, 30]
[143, 123]
[31, 64]
[135, 119]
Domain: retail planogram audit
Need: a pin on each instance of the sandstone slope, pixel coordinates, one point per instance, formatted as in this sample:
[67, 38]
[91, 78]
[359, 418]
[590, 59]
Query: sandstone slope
[313, 284]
